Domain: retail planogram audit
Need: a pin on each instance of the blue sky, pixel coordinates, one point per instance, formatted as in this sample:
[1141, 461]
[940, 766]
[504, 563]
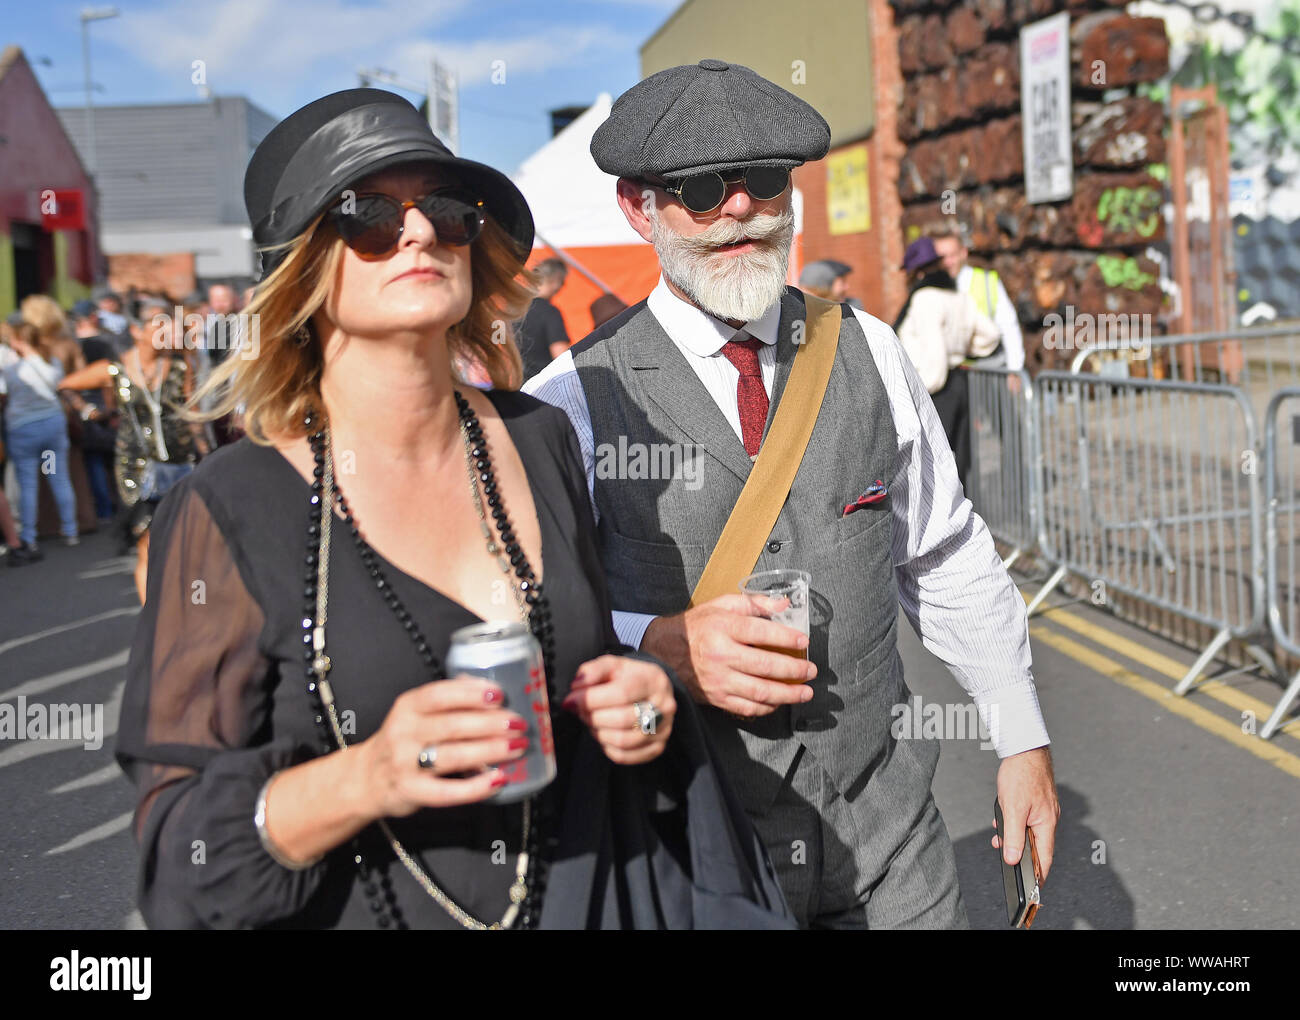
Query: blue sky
[281, 54]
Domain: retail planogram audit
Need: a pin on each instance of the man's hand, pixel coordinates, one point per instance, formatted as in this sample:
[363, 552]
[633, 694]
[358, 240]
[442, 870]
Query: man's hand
[718, 650]
[1027, 792]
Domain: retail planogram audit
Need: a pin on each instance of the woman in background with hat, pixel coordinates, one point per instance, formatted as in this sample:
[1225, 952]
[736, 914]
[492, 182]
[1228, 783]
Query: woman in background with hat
[386, 259]
[940, 327]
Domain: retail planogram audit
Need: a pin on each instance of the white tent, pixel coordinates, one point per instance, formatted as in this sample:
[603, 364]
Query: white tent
[573, 199]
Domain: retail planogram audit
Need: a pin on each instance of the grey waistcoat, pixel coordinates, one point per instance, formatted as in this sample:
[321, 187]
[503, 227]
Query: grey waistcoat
[657, 531]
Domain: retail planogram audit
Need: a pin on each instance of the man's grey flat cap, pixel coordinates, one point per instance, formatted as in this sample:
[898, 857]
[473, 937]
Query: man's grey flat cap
[823, 273]
[707, 116]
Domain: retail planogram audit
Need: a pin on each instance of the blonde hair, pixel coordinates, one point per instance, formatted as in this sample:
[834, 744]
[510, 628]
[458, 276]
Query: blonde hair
[279, 387]
[30, 335]
[44, 313]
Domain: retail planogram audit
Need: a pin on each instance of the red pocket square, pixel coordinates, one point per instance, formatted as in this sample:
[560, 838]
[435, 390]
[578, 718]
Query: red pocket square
[874, 494]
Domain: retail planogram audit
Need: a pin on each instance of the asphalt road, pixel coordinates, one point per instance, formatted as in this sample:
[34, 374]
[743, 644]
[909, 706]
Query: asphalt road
[1172, 818]
[66, 852]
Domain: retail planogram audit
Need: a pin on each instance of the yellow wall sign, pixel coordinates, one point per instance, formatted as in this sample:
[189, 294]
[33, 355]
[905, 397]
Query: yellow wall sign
[848, 200]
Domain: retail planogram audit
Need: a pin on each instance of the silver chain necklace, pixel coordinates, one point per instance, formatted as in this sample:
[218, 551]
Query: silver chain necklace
[321, 666]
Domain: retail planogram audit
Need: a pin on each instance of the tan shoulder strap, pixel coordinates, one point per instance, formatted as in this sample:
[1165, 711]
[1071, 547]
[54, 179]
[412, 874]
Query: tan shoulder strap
[765, 491]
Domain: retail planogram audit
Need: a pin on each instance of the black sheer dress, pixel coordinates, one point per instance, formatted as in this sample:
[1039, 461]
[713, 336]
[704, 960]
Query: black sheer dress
[216, 700]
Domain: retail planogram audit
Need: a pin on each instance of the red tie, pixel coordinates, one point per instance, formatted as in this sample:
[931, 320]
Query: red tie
[751, 397]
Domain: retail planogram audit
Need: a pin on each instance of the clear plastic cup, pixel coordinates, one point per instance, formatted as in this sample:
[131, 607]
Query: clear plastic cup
[791, 584]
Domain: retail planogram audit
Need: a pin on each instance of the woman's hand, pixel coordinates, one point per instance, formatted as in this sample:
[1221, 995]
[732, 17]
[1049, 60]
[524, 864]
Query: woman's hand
[464, 721]
[603, 695]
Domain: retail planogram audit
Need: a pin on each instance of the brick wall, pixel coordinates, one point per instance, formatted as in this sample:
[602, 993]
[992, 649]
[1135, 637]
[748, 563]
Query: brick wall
[876, 253]
[169, 275]
[959, 119]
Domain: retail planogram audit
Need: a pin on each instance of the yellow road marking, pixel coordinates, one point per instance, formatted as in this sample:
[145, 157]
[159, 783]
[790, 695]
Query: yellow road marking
[1172, 668]
[1168, 700]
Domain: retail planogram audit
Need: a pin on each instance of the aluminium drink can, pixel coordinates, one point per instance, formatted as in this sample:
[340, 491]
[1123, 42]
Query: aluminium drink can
[507, 654]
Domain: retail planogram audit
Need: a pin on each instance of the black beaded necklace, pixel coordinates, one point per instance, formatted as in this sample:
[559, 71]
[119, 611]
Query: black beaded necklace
[376, 883]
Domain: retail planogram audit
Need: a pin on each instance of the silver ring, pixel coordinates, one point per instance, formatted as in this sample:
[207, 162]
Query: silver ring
[428, 757]
[647, 716]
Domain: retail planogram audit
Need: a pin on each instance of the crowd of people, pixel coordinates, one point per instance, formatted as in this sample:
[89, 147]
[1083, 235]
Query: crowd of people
[753, 736]
[93, 412]
[955, 314]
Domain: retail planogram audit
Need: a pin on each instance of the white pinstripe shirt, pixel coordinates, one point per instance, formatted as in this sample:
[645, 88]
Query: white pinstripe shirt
[951, 583]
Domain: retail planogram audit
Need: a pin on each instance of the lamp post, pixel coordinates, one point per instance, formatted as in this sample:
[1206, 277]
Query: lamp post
[89, 14]
[440, 82]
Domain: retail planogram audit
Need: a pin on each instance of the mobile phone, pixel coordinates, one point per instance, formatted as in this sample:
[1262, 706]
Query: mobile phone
[1021, 882]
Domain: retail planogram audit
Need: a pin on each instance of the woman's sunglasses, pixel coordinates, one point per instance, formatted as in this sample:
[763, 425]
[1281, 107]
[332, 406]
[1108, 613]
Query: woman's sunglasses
[372, 224]
[703, 193]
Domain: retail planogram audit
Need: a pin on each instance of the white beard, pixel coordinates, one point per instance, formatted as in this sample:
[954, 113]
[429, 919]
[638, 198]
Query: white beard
[741, 286]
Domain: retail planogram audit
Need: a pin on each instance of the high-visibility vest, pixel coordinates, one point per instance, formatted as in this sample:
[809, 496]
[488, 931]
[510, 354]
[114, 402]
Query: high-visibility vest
[984, 289]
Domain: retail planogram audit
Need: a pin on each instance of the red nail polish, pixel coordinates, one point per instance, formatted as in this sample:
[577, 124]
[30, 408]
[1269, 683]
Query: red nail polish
[518, 725]
[493, 697]
[499, 781]
[518, 743]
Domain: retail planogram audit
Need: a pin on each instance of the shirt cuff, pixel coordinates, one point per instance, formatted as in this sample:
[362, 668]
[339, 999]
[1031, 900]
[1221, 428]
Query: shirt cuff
[631, 627]
[1013, 719]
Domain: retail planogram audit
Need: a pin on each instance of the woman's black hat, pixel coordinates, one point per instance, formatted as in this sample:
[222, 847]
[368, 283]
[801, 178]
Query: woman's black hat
[312, 155]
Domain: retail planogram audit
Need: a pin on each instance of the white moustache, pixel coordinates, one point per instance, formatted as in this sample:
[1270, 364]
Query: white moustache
[760, 229]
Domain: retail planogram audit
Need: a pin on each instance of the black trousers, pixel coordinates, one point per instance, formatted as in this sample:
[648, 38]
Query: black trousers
[953, 404]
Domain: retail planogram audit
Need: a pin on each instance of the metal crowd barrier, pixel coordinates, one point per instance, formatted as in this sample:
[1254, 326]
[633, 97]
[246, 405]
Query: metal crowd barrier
[1259, 360]
[1004, 467]
[1152, 489]
[1282, 529]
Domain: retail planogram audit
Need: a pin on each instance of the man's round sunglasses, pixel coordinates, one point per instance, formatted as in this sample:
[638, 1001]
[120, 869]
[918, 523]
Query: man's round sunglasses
[702, 193]
[372, 224]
